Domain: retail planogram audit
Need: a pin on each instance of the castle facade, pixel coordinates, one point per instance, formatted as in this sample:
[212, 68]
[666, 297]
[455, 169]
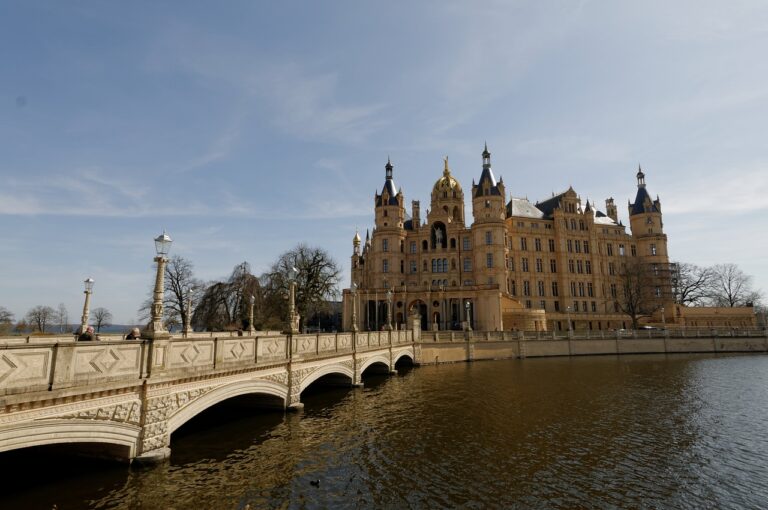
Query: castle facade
[555, 264]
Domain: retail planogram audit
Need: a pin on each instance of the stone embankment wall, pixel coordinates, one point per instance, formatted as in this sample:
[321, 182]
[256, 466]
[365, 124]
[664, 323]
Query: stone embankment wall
[457, 347]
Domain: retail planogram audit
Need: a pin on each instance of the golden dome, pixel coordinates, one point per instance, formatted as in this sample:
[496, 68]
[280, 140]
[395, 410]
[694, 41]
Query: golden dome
[446, 183]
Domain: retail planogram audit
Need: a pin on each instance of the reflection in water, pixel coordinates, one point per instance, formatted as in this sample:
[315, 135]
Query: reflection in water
[600, 432]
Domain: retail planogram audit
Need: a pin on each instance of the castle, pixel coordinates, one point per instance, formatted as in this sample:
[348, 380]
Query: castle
[556, 264]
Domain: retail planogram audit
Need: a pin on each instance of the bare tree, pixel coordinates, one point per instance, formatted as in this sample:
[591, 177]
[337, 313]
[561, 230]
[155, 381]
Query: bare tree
[732, 287]
[316, 281]
[40, 316]
[6, 321]
[691, 284]
[101, 317]
[641, 292]
[62, 317]
[225, 305]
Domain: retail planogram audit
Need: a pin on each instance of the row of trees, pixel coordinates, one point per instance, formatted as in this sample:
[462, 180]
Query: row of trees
[718, 285]
[46, 319]
[646, 287]
[224, 305]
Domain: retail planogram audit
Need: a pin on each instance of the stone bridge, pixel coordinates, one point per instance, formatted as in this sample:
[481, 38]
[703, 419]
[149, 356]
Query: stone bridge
[124, 398]
[129, 396]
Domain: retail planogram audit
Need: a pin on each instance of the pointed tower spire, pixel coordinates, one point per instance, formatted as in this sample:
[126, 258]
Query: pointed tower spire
[640, 177]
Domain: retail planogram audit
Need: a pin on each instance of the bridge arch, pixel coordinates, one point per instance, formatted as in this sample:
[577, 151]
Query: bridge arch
[222, 393]
[62, 431]
[402, 355]
[330, 369]
[375, 359]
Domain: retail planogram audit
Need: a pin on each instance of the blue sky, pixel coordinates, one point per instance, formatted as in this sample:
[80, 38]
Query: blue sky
[244, 128]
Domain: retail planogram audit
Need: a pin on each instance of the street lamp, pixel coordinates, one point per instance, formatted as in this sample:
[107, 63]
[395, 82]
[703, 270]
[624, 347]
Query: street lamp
[251, 329]
[188, 316]
[86, 312]
[466, 309]
[354, 306]
[568, 311]
[293, 317]
[663, 319]
[156, 329]
[389, 310]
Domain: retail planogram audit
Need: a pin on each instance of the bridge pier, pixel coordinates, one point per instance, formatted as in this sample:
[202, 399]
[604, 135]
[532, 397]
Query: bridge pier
[152, 457]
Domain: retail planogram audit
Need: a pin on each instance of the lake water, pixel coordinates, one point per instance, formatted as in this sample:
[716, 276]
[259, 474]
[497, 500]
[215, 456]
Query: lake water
[684, 431]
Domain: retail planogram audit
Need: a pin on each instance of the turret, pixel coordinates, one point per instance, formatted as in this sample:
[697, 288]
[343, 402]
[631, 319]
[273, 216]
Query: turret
[488, 196]
[390, 206]
[416, 214]
[611, 210]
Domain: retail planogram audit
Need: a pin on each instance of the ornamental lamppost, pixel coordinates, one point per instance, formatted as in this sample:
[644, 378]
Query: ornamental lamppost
[251, 329]
[354, 306]
[293, 317]
[389, 310]
[663, 319]
[188, 323]
[86, 311]
[155, 328]
[570, 327]
[466, 309]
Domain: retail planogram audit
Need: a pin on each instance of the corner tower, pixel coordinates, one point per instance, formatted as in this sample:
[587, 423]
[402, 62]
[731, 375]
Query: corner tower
[489, 229]
[647, 225]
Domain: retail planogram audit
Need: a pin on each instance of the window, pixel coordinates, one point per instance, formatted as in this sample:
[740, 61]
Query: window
[554, 289]
[539, 266]
[557, 306]
[489, 237]
[653, 249]
[385, 266]
[553, 265]
[528, 303]
[453, 243]
[610, 249]
[590, 290]
[581, 289]
[573, 288]
[588, 266]
[578, 246]
[385, 245]
[526, 288]
[467, 264]
[569, 245]
[581, 225]
[513, 288]
[402, 266]
[413, 266]
[575, 306]
[434, 265]
[537, 244]
[424, 245]
[571, 266]
[525, 264]
[551, 245]
[540, 286]
[594, 306]
[611, 268]
[543, 304]
[413, 246]
[586, 246]
[579, 266]
[613, 290]
[573, 223]
[633, 250]
[523, 244]
[489, 260]
[511, 264]
[621, 250]
[465, 243]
